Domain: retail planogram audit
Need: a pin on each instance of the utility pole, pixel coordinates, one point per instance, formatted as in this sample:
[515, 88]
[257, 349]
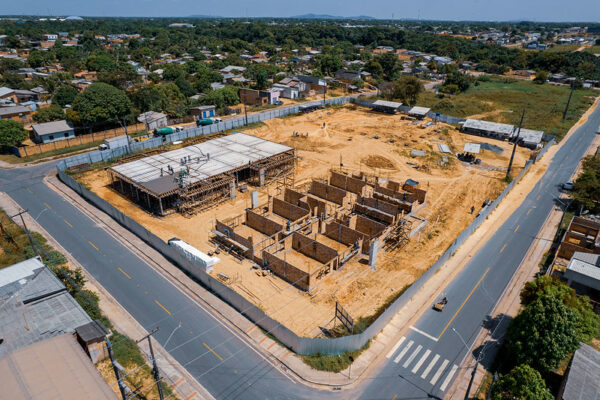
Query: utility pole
[116, 369]
[246, 113]
[33, 246]
[155, 372]
[568, 101]
[512, 156]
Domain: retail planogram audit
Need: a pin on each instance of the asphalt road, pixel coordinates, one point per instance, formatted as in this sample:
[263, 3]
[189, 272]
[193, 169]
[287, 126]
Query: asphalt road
[421, 365]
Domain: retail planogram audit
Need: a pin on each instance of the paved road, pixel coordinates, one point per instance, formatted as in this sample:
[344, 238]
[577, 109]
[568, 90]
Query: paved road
[423, 363]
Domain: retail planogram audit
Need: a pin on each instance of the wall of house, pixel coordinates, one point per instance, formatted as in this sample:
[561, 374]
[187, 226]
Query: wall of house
[64, 135]
[347, 183]
[374, 213]
[293, 196]
[287, 271]
[404, 196]
[328, 192]
[405, 206]
[288, 210]
[313, 249]
[343, 234]
[262, 224]
[367, 226]
[230, 233]
[381, 205]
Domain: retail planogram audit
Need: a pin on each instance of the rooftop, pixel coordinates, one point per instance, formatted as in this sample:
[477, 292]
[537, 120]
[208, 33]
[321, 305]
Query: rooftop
[206, 160]
[419, 110]
[384, 103]
[48, 128]
[13, 110]
[55, 368]
[583, 381]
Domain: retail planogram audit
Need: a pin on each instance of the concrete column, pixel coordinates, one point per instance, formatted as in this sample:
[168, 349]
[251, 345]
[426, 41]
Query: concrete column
[232, 189]
[261, 177]
[373, 248]
[160, 206]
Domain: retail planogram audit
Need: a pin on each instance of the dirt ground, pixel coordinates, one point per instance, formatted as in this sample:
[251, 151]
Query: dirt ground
[361, 140]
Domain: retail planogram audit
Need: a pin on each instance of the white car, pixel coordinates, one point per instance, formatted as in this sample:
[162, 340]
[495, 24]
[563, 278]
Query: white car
[568, 185]
[216, 120]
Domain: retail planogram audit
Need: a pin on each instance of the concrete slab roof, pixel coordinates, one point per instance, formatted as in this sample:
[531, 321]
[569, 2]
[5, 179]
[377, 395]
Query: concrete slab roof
[419, 110]
[473, 148]
[497, 127]
[384, 103]
[207, 159]
[583, 381]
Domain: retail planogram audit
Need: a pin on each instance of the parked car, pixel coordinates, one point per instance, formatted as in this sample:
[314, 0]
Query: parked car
[217, 120]
[568, 185]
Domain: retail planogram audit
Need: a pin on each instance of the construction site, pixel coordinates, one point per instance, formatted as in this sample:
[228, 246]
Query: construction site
[338, 206]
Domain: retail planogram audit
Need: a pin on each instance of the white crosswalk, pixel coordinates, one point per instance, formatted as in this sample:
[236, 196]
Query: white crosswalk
[417, 360]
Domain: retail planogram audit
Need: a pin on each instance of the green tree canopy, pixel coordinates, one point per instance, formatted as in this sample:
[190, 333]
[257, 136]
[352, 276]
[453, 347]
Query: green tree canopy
[12, 133]
[47, 114]
[165, 98]
[522, 383]
[64, 95]
[586, 190]
[543, 334]
[408, 89]
[101, 103]
[588, 321]
[541, 77]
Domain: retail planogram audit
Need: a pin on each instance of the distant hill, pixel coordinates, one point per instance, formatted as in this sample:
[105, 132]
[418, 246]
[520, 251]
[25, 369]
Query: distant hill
[327, 16]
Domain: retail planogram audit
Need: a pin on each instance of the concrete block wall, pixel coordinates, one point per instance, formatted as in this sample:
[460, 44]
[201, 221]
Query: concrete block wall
[287, 271]
[288, 210]
[262, 224]
[566, 250]
[313, 249]
[348, 183]
[404, 196]
[584, 226]
[316, 206]
[293, 196]
[230, 233]
[374, 213]
[402, 205]
[381, 205]
[368, 226]
[343, 234]
[330, 193]
[420, 193]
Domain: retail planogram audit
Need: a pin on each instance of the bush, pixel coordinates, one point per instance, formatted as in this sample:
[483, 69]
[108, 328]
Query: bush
[523, 382]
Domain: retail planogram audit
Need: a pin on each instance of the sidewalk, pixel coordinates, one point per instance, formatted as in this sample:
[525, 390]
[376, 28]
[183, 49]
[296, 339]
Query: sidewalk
[181, 381]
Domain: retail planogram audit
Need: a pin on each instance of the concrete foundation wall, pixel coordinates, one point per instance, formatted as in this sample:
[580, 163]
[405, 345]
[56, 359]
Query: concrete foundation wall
[288, 210]
[262, 224]
[330, 193]
[347, 183]
[287, 271]
[313, 249]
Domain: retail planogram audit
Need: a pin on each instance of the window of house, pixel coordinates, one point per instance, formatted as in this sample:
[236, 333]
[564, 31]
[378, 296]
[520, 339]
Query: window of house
[66, 134]
[51, 137]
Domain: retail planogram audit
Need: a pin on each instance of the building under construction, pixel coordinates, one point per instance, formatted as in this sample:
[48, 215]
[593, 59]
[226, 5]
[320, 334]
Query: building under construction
[197, 177]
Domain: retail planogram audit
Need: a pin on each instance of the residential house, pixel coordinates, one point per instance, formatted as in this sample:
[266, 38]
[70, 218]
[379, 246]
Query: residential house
[259, 97]
[232, 69]
[294, 82]
[50, 36]
[582, 235]
[153, 120]
[382, 49]
[53, 131]
[313, 83]
[16, 113]
[26, 95]
[583, 274]
[203, 112]
[582, 379]
[287, 92]
[87, 75]
[347, 75]
[8, 94]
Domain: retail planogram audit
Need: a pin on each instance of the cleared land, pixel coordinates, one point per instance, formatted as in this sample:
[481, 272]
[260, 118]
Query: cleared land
[376, 144]
[502, 100]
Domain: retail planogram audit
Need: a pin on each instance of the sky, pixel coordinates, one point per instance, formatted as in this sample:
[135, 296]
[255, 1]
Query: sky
[481, 10]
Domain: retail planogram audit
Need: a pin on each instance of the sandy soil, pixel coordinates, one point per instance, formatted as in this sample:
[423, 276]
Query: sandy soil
[363, 141]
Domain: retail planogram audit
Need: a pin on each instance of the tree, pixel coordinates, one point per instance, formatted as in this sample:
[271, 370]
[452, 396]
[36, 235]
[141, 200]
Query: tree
[39, 58]
[389, 64]
[13, 81]
[101, 103]
[588, 321]
[52, 113]
[64, 95]
[12, 133]
[328, 64]
[541, 77]
[359, 83]
[523, 383]
[165, 98]
[543, 334]
[586, 188]
[409, 88]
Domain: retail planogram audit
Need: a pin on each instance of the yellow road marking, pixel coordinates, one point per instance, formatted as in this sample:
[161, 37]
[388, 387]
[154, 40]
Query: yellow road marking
[212, 351]
[464, 302]
[502, 249]
[93, 245]
[68, 223]
[124, 273]
[528, 211]
[163, 307]
[47, 206]
[29, 190]
[394, 398]
[517, 228]
[539, 195]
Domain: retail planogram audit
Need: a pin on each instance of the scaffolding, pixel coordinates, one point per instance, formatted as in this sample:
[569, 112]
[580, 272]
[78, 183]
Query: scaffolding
[398, 237]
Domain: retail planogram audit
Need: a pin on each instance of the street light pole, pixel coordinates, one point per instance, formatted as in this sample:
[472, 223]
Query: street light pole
[512, 156]
[474, 368]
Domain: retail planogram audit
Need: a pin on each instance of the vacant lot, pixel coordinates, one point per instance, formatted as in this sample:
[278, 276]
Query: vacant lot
[363, 141]
[503, 100]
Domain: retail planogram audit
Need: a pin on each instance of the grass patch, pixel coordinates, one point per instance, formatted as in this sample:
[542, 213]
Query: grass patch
[59, 152]
[335, 363]
[502, 100]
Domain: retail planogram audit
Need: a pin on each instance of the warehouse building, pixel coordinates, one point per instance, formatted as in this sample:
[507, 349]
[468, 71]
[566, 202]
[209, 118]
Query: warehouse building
[526, 137]
[389, 107]
[196, 177]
